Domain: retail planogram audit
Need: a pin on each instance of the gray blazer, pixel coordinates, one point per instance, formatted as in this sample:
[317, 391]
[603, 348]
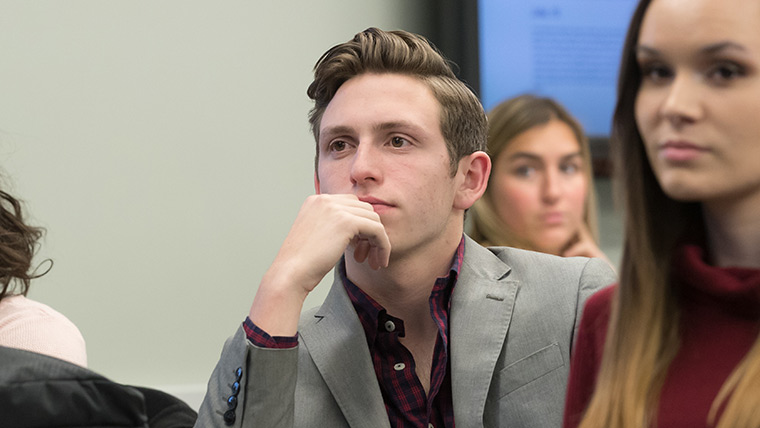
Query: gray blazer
[513, 318]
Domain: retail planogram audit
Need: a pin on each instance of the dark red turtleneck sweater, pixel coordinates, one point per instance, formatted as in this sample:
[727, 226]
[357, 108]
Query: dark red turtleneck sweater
[720, 320]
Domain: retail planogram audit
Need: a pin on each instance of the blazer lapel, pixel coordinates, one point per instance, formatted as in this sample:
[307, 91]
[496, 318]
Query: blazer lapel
[337, 344]
[481, 311]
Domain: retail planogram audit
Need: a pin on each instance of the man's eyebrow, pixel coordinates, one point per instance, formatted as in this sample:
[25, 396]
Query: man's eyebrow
[332, 131]
[403, 125]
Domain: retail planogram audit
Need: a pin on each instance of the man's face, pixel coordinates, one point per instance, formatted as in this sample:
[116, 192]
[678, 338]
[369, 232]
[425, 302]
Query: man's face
[380, 139]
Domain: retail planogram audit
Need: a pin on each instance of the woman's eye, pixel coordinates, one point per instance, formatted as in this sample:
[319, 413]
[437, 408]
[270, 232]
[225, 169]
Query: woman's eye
[725, 72]
[399, 142]
[570, 168]
[524, 171]
[655, 72]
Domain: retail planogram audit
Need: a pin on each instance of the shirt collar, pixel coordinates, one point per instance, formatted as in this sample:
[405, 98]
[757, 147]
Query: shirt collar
[370, 312]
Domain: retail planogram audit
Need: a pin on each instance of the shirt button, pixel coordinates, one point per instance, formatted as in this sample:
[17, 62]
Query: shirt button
[399, 366]
[390, 326]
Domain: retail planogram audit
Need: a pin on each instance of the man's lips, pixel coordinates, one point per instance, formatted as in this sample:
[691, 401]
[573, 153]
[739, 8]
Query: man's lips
[377, 204]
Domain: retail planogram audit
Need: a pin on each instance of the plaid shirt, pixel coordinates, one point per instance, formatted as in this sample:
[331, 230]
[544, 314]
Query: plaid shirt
[405, 399]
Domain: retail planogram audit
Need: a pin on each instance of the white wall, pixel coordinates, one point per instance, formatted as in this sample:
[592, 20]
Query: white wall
[165, 147]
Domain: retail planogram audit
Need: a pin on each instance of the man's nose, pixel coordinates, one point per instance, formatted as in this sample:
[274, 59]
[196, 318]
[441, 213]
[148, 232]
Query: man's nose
[366, 164]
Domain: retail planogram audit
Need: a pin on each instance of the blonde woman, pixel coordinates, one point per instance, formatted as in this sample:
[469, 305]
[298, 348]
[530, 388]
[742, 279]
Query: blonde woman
[675, 344]
[540, 195]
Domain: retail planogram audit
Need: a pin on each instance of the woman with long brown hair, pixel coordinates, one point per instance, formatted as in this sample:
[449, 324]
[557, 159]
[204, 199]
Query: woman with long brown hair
[540, 193]
[25, 323]
[675, 344]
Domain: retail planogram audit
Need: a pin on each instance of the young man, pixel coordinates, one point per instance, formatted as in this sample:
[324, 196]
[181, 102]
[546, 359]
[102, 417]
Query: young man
[422, 326]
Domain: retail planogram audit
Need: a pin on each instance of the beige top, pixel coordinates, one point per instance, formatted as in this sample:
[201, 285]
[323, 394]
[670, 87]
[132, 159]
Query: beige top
[34, 326]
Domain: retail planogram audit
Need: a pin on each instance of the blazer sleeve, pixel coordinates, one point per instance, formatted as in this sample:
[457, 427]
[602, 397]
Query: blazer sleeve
[250, 386]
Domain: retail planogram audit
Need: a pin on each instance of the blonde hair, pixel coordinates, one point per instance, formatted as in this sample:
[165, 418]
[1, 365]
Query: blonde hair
[505, 122]
[642, 336]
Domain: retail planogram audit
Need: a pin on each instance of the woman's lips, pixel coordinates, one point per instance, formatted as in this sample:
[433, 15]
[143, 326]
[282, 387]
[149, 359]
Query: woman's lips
[553, 218]
[680, 151]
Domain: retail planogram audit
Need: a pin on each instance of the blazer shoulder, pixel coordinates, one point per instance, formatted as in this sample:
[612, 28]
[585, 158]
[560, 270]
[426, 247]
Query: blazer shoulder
[586, 274]
[526, 260]
[517, 254]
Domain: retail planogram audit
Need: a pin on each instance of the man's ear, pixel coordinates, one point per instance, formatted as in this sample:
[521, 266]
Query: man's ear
[474, 170]
[316, 183]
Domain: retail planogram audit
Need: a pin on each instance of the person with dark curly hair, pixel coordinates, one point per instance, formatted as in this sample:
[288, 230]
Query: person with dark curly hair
[25, 323]
[37, 390]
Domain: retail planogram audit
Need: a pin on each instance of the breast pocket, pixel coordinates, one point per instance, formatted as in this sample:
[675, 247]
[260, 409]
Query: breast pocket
[530, 369]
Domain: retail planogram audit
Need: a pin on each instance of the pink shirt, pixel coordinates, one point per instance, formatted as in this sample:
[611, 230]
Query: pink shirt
[34, 326]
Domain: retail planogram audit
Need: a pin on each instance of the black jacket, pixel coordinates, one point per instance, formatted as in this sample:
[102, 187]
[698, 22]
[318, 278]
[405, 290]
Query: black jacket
[41, 391]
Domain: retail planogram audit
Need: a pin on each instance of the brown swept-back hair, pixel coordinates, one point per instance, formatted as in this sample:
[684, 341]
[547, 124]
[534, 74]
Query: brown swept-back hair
[18, 243]
[505, 122]
[463, 121]
[642, 336]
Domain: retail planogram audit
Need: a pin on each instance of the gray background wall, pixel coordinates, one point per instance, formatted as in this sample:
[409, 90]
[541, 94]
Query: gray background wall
[164, 146]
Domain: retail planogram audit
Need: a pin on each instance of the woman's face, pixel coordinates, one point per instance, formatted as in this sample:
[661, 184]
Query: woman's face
[698, 107]
[538, 186]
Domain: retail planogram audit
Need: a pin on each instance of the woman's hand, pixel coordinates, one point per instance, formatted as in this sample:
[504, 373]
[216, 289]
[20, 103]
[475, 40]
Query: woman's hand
[583, 245]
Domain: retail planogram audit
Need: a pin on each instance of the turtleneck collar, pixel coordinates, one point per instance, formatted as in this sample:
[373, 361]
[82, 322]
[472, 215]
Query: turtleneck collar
[735, 287]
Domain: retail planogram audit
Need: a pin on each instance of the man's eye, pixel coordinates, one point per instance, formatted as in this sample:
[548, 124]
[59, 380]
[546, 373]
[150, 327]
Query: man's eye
[337, 146]
[399, 142]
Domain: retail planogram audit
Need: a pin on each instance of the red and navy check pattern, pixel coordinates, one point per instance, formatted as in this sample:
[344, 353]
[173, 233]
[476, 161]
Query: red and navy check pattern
[262, 339]
[405, 399]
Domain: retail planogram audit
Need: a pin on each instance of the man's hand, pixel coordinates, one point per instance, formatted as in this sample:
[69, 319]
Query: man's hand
[325, 227]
